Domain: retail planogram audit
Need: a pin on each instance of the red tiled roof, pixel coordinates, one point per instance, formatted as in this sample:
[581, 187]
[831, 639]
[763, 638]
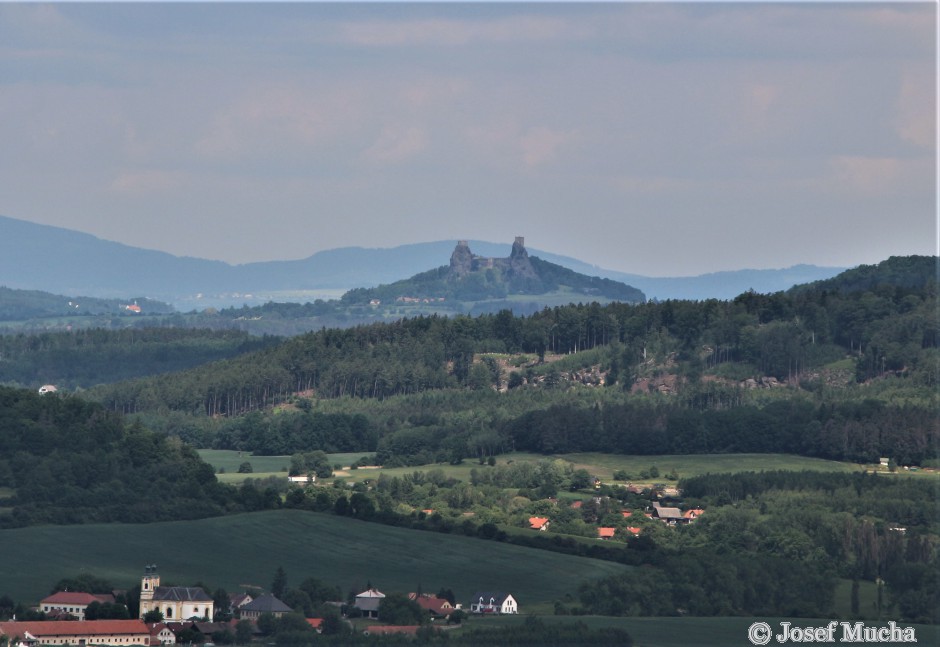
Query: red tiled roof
[691, 514]
[634, 530]
[606, 533]
[626, 514]
[577, 504]
[537, 523]
[76, 597]
[40, 628]
[314, 622]
[438, 606]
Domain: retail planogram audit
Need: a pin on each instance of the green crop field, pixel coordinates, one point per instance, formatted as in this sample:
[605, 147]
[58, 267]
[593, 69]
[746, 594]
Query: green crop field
[247, 549]
[702, 632]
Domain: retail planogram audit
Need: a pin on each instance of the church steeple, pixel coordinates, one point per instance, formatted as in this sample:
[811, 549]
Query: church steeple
[149, 582]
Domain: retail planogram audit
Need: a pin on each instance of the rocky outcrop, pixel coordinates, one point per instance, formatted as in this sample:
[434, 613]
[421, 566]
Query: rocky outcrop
[461, 261]
[519, 264]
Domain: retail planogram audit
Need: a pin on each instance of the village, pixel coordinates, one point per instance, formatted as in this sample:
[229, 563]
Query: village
[170, 615]
[189, 615]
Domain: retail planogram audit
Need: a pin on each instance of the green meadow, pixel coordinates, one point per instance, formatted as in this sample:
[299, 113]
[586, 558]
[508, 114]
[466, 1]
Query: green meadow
[229, 460]
[686, 465]
[246, 549]
[601, 465]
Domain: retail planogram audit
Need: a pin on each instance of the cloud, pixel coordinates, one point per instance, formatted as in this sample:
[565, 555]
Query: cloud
[541, 145]
[917, 108]
[866, 175]
[452, 32]
[396, 144]
[146, 181]
[266, 120]
[652, 184]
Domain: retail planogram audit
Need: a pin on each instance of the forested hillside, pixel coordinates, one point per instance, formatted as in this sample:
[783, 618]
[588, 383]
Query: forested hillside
[65, 460]
[84, 358]
[818, 372]
[440, 284]
[17, 305]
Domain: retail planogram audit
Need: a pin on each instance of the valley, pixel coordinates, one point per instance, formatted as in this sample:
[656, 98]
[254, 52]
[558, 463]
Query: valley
[773, 456]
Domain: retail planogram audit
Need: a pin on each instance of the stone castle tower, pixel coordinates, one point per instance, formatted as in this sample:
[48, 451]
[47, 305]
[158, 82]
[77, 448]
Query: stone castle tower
[463, 261]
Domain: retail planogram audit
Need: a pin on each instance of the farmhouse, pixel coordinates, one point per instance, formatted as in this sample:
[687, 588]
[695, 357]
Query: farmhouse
[174, 602]
[368, 602]
[692, 515]
[501, 603]
[538, 523]
[237, 601]
[668, 514]
[160, 634]
[435, 606]
[606, 533]
[79, 632]
[266, 603]
[72, 603]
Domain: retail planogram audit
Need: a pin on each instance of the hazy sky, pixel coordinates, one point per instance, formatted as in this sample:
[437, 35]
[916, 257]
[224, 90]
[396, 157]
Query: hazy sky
[660, 139]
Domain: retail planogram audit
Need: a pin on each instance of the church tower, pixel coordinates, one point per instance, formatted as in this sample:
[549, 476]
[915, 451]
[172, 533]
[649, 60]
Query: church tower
[149, 582]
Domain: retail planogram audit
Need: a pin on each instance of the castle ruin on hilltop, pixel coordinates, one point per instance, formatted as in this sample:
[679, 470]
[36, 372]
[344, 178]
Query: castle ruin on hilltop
[464, 262]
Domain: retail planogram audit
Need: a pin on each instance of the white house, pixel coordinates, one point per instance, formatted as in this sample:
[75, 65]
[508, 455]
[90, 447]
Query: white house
[487, 602]
[160, 634]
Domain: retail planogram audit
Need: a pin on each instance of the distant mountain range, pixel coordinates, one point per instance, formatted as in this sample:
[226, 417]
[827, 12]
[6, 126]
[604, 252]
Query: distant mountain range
[63, 261]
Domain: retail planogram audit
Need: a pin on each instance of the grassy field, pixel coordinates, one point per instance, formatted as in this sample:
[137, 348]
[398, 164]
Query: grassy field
[229, 460]
[247, 549]
[601, 465]
[261, 466]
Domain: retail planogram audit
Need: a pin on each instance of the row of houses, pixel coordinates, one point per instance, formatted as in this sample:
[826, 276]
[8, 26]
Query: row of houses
[486, 602]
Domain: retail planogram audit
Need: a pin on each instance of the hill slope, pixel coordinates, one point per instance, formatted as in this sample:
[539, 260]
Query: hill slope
[470, 277]
[248, 548]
